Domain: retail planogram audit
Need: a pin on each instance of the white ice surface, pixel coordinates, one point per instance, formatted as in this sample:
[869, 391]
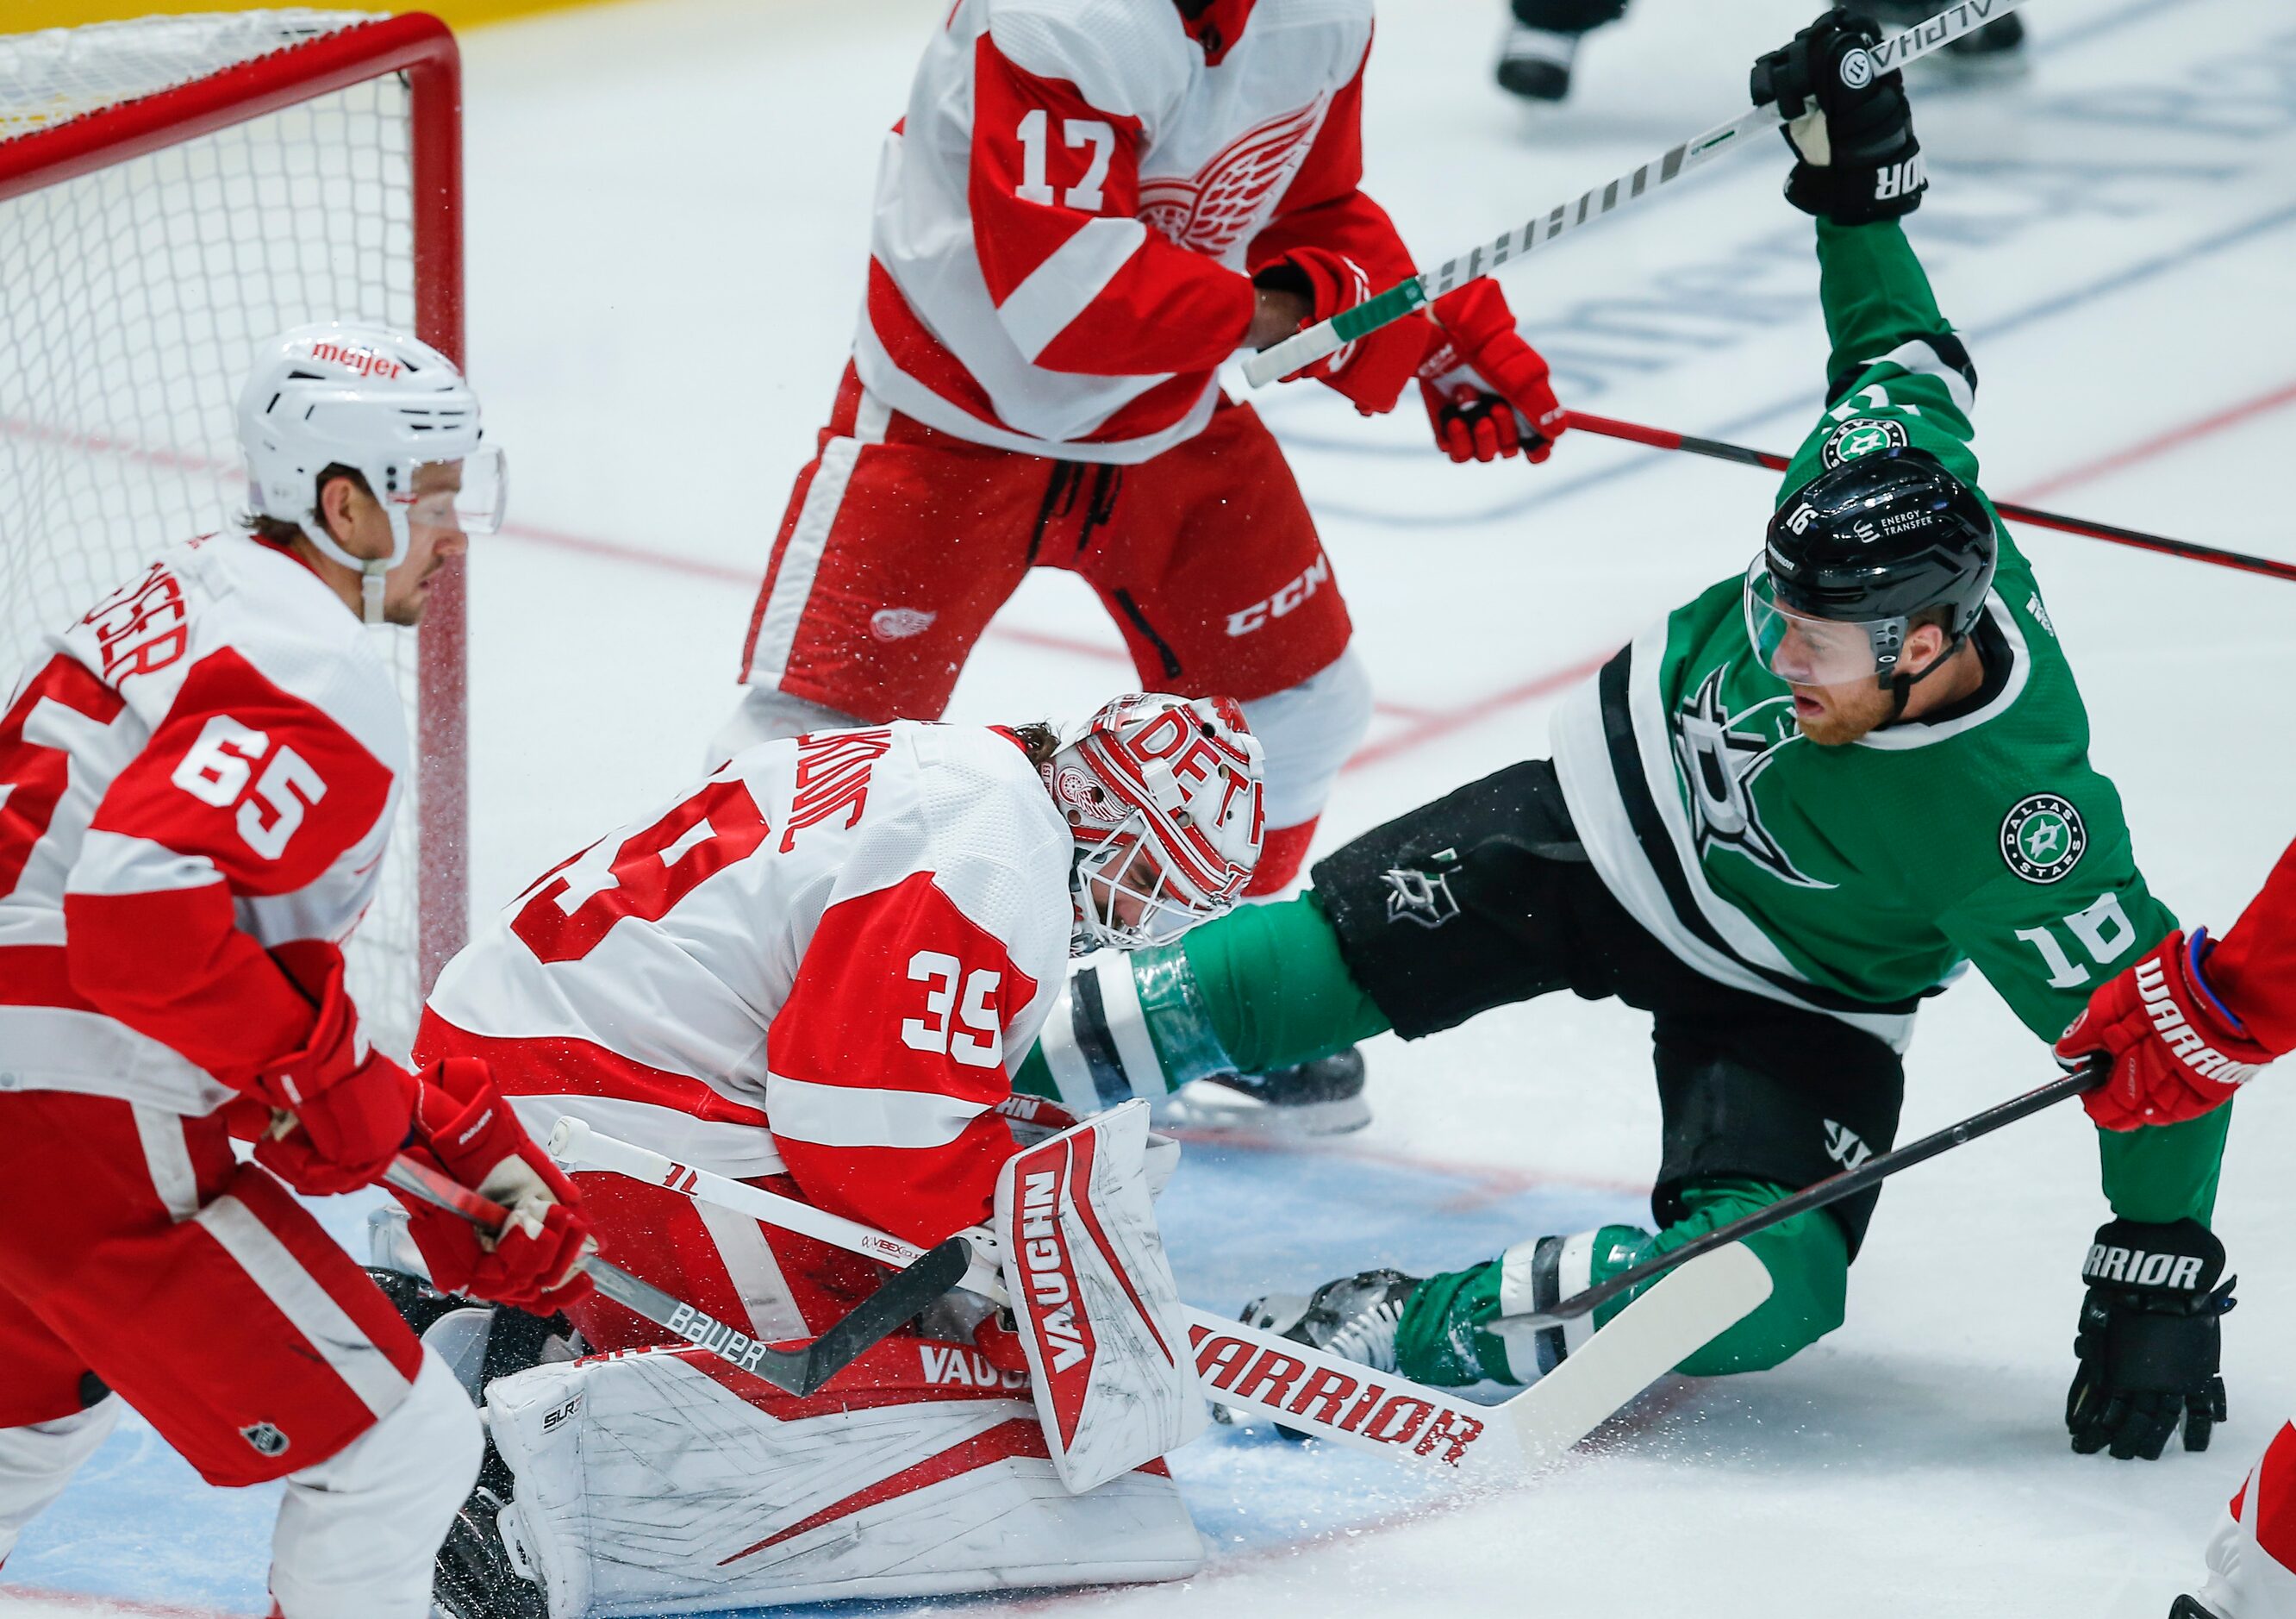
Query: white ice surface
[668, 216]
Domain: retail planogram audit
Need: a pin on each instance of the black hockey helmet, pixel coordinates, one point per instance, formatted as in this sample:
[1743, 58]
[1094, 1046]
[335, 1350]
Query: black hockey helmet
[1862, 547]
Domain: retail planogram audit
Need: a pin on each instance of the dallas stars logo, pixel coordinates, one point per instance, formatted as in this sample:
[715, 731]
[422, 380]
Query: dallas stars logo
[1861, 436]
[1720, 764]
[2042, 837]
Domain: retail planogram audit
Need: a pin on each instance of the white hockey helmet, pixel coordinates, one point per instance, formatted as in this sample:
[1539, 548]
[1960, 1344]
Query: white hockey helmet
[1163, 797]
[363, 396]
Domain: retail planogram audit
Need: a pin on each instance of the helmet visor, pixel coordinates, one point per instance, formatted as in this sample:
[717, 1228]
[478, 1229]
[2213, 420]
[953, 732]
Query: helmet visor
[468, 494]
[1803, 649]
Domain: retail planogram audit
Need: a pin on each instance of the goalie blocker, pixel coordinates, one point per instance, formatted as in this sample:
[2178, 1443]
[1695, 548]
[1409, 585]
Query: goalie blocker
[1098, 1312]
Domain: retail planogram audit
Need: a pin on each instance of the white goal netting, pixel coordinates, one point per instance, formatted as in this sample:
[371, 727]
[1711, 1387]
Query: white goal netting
[131, 302]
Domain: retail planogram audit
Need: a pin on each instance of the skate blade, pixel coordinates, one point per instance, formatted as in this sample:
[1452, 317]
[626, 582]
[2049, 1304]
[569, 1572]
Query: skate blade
[1216, 1110]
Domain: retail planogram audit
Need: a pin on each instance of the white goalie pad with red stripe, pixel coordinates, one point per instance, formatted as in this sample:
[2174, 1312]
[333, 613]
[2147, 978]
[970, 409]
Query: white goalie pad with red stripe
[1099, 1314]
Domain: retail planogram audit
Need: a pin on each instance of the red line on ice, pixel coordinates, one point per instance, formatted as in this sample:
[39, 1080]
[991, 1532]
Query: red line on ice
[95, 1605]
[2161, 444]
[728, 573]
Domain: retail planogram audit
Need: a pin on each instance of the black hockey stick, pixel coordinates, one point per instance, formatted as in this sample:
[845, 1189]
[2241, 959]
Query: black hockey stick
[1834, 1188]
[799, 1371]
[1660, 438]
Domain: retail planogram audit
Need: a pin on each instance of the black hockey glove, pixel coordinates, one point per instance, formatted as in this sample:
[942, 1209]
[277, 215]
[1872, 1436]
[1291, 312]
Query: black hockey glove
[2149, 1339]
[1852, 129]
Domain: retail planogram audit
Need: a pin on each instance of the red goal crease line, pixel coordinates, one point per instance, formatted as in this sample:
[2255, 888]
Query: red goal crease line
[97, 1607]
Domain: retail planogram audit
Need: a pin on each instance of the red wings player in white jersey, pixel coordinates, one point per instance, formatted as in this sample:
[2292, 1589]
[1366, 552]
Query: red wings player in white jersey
[197, 782]
[814, 971]
[1088, 206]
[2182, 1029]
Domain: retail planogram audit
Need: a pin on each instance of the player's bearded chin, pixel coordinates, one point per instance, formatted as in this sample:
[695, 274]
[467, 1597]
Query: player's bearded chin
[1832, 716]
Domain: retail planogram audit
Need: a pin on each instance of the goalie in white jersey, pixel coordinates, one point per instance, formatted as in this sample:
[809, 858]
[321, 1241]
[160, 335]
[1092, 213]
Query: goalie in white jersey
[813, 972]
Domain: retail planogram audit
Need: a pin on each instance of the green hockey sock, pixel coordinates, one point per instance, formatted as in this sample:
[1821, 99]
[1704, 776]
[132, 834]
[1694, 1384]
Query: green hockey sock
[1444, 1337]
[1275, 987]
[1262, 987]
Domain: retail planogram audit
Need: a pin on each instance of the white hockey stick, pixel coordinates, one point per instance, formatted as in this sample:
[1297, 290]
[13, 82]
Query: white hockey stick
[1329, 337]
[1304, 1388]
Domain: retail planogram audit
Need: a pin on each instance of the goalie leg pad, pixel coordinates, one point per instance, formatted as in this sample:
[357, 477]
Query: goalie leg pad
[1099, 1313]
[662, 1482]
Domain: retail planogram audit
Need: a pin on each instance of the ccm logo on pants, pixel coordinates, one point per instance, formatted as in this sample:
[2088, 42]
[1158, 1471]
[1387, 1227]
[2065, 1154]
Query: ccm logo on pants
[1247, 620]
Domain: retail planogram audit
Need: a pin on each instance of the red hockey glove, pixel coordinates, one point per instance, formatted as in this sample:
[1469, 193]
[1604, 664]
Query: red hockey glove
[342, 1112]
[1484, 389]
[1369, 372]
[464, 1126]
[2176, 1051]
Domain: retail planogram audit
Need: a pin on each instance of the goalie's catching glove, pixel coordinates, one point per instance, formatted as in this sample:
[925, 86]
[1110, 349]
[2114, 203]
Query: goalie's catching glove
[464, 1127]
[1484, 389]
[2149, 1339]
[1850, 127]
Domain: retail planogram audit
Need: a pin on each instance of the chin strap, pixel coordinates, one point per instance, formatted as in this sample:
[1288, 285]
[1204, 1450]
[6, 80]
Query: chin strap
[371, 570]
[1901, 686]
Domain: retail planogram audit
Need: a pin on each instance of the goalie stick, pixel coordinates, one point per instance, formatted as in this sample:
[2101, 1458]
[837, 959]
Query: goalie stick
[1304, 349]
[1302, 1387]
[1660, 438]
[930, 1274]
[1834, 1188]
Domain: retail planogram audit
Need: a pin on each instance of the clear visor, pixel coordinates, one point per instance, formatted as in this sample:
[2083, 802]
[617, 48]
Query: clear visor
[1805, 651]
[1126, 896]
[469, 494]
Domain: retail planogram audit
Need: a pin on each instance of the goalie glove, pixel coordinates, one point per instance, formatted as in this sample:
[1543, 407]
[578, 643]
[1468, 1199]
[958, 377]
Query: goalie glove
[1851, 129]
[464, 1127]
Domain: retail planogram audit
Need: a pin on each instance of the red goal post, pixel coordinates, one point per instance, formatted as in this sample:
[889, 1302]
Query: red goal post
[172, 190]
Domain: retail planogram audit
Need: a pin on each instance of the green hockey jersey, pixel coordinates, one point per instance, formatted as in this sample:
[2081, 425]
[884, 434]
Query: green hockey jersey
[1856, 879]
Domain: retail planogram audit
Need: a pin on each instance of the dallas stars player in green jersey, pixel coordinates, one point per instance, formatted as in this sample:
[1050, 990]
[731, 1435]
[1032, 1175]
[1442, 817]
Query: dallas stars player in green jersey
[1779, 818]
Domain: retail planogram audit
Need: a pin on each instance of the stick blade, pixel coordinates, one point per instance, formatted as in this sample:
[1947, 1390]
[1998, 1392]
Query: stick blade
[1683, 1310]
[893, 1304]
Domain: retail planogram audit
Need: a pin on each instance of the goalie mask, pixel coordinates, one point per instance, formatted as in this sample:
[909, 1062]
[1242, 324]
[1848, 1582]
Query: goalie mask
[362, 396]
[1162, 795]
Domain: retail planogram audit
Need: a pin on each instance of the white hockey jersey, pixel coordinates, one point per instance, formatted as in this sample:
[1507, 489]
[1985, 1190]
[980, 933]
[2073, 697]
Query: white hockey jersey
[1067, 214]
[197, 785]
[821, 961]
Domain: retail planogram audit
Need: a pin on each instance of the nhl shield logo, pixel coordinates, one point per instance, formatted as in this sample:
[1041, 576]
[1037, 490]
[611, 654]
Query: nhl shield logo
[2042, 838]
[1862, 436]
[267, 1440]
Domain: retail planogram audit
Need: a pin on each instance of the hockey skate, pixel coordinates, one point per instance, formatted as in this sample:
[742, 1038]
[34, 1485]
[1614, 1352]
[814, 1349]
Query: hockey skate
[1354, 1317]
[2191, 1607]
[1323, 1097]
[1535, 63]
[475, 1576]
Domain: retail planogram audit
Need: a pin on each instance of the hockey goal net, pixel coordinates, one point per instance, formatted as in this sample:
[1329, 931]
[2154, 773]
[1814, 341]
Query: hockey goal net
[173, 190]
